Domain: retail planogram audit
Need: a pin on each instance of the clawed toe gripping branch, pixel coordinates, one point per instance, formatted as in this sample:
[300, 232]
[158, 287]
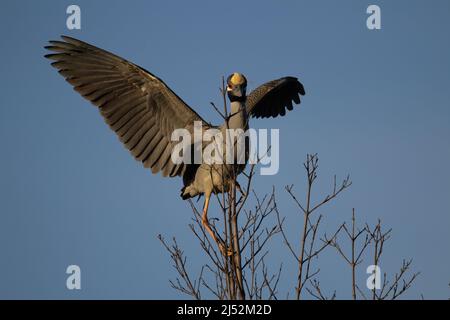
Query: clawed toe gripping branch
[238, 262]
[235, 246]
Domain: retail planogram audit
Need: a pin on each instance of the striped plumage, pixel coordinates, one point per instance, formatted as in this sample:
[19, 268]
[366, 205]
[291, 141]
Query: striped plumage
[138, 106]
[143, 111]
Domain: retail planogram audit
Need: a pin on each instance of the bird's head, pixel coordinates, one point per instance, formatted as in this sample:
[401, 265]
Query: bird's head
[236, 87]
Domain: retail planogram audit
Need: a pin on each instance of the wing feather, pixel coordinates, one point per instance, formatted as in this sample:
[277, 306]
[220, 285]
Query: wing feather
[274, 97]
[138, 106]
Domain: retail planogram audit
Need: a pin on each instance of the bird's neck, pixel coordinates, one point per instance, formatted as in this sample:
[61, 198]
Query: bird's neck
[237, 106]
[238, 116]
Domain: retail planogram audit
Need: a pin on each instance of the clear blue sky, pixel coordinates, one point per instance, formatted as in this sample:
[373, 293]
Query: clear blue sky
[377, 107]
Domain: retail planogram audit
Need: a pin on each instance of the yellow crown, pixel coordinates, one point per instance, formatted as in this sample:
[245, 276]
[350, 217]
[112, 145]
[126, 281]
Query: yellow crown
[237, 79]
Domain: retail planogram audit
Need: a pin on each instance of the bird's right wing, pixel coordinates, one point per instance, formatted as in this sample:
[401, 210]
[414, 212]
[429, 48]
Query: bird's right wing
[141, 109]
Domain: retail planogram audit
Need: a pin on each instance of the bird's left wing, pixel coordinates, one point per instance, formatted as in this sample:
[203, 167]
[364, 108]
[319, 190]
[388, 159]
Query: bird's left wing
[141, 109]
[274, 97]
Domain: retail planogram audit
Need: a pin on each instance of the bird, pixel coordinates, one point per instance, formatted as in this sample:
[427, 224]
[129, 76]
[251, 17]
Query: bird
[143, 111]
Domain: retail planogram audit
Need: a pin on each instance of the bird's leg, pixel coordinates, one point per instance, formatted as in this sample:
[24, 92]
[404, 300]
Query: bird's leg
[207, 226]
[205, 221]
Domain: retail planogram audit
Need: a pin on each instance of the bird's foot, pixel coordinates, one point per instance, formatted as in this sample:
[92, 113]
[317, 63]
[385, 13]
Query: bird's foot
[243, 193]
[226, 252]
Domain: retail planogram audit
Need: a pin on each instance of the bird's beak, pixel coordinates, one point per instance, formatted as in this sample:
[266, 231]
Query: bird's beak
[237, 91]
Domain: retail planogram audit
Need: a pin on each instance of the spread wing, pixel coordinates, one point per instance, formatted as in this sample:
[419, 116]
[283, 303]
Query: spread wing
[274, 97]
[141, 109]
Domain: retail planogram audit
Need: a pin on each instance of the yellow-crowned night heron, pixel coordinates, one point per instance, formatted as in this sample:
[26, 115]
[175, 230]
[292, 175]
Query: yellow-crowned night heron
[144, 111]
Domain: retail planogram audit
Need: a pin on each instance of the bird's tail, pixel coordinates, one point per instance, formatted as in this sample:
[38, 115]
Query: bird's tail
[187, 192]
